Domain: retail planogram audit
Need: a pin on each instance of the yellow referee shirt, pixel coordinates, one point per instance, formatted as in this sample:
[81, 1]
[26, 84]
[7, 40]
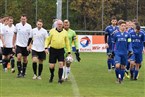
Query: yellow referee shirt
[57, 40]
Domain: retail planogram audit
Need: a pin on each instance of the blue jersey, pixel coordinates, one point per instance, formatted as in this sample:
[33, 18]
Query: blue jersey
[137, 40]
[109, 30]
[122, 43]
[143, 31]
[130, 30]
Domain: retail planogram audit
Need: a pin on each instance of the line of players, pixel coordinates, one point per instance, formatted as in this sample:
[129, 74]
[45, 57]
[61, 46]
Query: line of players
[125, 43]
[21, 39]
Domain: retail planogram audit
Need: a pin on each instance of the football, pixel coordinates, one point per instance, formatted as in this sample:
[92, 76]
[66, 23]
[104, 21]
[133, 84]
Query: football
[69, 59]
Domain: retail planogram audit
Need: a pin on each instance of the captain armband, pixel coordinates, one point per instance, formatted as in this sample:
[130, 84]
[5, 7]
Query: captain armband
[129, 40]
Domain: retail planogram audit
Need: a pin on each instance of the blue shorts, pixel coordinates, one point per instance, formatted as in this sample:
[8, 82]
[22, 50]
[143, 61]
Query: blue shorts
[120, 59]
[137, 58]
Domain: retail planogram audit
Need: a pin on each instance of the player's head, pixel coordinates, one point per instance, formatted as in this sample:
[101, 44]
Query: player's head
[66, 24]
[122, 26]
[23, 18]
[137, 27]
[39, 24]
[5, 20]
[59, 24]
[10, 21]
[127, 25]
[120, 21]
[113, 21]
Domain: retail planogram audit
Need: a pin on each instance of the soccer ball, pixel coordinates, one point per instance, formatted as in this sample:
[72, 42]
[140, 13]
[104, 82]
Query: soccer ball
[69, 59]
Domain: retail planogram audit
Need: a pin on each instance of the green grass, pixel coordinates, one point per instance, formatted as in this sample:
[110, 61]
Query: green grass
[91, 76]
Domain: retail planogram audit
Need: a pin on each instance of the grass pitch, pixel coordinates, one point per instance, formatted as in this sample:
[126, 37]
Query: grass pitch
[88, 78]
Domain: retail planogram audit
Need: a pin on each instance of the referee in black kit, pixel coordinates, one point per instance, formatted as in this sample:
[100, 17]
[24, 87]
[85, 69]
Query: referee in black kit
[57, 40]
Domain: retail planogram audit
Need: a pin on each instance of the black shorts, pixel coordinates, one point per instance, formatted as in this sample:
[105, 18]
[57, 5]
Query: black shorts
[7, 51]
[40, 55]
[22, 50]
[56, 54]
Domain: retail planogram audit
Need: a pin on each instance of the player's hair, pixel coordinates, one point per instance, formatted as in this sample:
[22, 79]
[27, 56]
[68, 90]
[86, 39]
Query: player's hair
[24, 15]
[10, 17]
[137, 27]
[113, 18]
[40, 20]
[66, 21]
[121, 21]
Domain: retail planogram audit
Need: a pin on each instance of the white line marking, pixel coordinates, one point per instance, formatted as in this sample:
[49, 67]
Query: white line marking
[74, 86]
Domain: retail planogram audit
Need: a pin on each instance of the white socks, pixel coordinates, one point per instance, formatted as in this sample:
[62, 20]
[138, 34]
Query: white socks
[66, 72]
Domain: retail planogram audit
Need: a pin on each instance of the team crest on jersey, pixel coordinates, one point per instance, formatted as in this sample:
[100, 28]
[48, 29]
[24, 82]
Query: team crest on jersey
[140, 35]
[126, 35]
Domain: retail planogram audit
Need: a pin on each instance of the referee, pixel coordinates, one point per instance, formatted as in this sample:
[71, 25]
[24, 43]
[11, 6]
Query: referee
[21, 37]
[57, 40]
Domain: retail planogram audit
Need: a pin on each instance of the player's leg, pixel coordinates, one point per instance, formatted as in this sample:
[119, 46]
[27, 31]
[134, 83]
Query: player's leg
[25, 61]
[60, 60]
[127, 69]
[64, 71]
[109, 61]
[19, 57]
[41, 57]
[6, 58]
[117, 67]
[0, 55]
[52, 61]
[12, 59]
[34, 63]
[123, 65]
[132, 64]
[25, 53]
[67, 70]
[138, 61]
[64, 68]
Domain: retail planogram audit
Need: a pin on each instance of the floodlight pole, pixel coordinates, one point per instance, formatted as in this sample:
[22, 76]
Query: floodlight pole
[67, 10]
[102, 15]
[36, 10]
[6, 7]
[59, 9]
[137, 10]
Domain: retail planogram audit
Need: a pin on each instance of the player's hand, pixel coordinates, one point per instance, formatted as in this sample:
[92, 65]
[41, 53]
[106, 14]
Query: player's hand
[144, 51]
[78, 55]
[28, 48]
[14, 49]
[46, 50]
[4, 45]
[106, 45]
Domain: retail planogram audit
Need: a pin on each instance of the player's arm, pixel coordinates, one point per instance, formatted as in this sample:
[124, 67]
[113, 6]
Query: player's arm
[67, 44]
[130, 50]
[47, 41]
[30, 39]
[106, 38]
[14, 39]
[144, 42]
[77, 47]
[2, 38]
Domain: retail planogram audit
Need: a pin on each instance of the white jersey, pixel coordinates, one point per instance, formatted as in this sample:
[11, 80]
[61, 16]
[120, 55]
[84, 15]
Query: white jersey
[38, 37]
[7, 33]
[23, 34]
[1, 26]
